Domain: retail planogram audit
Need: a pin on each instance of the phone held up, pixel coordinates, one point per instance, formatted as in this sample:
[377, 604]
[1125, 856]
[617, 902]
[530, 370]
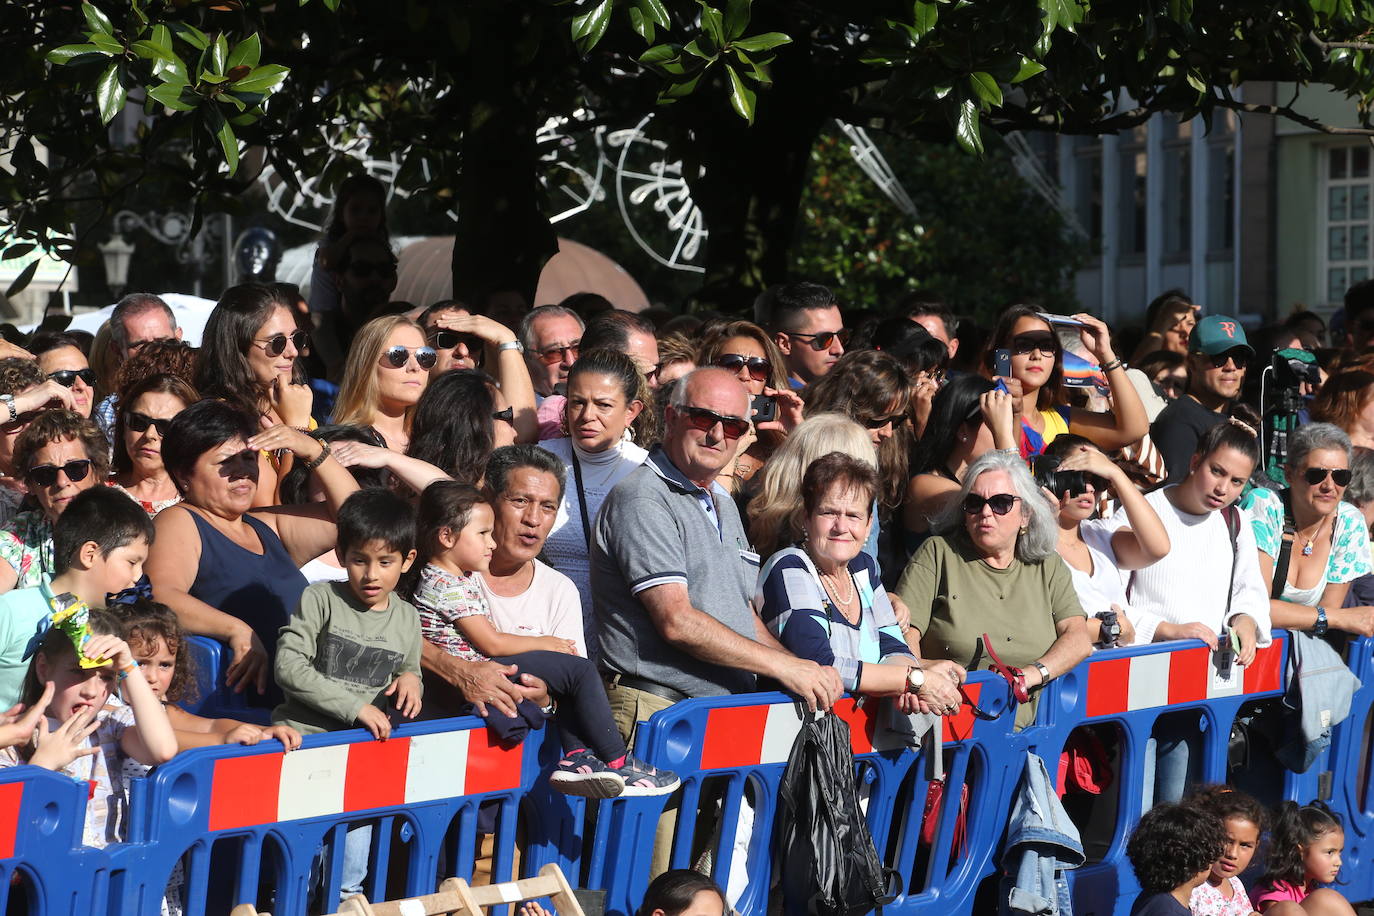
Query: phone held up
[763, 408]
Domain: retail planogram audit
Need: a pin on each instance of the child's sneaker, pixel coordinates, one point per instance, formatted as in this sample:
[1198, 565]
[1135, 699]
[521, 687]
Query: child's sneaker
[584, 774]
[642, 780]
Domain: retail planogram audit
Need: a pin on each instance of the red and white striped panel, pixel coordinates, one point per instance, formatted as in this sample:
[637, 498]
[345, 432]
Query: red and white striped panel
[11, 801]
[1180, 677]
[748, 736]
[324, 781]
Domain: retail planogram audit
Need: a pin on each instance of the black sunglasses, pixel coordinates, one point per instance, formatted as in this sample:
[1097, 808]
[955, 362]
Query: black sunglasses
[67, 377]
[897, 419]
[45, 475]
[398, 356]
[1235, 355]
[444, 339]
[1001, 503]
[759, 368]
[1022, 344]
[706, 420]
[276, 344]
[507, 415]
[139, 423]
[1339, 476]
[822, 340]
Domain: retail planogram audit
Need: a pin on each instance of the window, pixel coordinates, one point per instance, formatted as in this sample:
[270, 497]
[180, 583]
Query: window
[1178, 186]
[1087, 191]
[1131, 200]
[1221, 184]
[1346, 257]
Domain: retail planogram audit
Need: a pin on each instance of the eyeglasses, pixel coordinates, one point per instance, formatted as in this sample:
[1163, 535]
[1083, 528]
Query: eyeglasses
[1339, 476]
[1000, 503]
[67, 377]
[706, 420]
[897, 419]
[822, 340]
[45, 475]
[140, 422]
[507, 415]
[552, 355]
[1023, 344]
[1236, 355]
[276, 344]
[366, 269]
[398, 356]
[444, 339]
[759, 368]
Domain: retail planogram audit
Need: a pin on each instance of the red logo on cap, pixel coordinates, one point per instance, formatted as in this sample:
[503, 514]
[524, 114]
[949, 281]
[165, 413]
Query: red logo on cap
[1229, 327]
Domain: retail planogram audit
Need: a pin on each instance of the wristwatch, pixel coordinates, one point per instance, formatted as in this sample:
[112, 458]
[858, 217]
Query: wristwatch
[8, 401]
[1044, 673]
[515, 345]
[915, 678]
[1321, 626]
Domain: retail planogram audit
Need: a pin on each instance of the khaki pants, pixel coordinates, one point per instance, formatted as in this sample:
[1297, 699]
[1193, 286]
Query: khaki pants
[630, 707]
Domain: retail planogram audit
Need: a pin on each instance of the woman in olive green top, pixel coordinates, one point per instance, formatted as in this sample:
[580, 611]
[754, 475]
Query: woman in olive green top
[992, 568]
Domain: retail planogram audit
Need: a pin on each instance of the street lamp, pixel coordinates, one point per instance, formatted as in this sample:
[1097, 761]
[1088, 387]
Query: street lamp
[116, 253]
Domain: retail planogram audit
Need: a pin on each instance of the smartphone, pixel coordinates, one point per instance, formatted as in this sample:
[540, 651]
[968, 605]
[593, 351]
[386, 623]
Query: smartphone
[763, 408]
[1059, 319]
[1001, 363]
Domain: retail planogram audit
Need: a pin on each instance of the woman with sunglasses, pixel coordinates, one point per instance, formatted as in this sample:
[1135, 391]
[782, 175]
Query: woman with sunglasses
[466, 341]
[142, 419]
[249, 357]
[59, 455]
[1036, 381]
[991, 569]
[229, 570]
[1330, 539]
[461, 419]
[386, 373]
[1076, 475]
[63, 361]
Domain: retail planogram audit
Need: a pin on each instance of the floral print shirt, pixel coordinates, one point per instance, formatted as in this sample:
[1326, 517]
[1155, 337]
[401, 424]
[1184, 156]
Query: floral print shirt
[443, 598]
[26, 544]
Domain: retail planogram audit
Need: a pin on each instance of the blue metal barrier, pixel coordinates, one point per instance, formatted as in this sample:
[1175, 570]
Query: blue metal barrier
[1352, 778]
[212, 698]
[41, 857]
[1131, 689]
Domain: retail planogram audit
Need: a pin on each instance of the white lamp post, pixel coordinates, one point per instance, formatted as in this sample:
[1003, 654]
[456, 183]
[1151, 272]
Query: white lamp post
[116, 253]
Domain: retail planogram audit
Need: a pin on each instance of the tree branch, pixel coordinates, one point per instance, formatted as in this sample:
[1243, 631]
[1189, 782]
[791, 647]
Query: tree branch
[1332, 45]
[1284, 111]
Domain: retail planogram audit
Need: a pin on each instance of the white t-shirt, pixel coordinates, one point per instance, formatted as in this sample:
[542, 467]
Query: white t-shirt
[1103, 587]
[549, 607]
[566, 548]
[1189, 584]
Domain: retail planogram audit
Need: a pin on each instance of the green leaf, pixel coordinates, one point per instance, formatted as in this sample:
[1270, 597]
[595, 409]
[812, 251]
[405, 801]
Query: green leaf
[109, 93]
[711, 23]
[1028, 69]
[657, 55]
[246, 53]
[925, 16]
[741, 96]
[98, 22]
[966, 128]
[1196, 82]
[18, 251]
[642, 24]
[172, 95]
[264, 79]
[679, 90]
[764, 41]
[695, 49]
[588, 28]
[224, 133]
[24, 278]
[171, 70]
[68, 54]
[985, 87]
[736, 18]
[162, 37]
[219, 53]
[149, 50]
[656, 11]
[107, 44]
[191, 35]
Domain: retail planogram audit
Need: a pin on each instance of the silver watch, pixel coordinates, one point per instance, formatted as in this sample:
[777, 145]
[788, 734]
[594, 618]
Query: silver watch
[8, 401]
[515, 345]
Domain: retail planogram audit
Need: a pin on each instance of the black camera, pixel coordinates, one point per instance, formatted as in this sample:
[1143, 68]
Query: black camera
[1058, 482]
[763, 408]
[1110, 635]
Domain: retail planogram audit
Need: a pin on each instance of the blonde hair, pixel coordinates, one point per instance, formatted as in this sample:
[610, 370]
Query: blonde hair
[358, 397]
[775, 512]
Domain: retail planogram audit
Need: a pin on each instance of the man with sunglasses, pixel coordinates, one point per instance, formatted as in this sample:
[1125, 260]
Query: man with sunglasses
[1217, 359]
[552, 336]
[137, 319]
[805, 322]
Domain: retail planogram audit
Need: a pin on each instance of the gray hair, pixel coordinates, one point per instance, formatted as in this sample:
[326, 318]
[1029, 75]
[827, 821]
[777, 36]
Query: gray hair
[510, 458]
[544, 311]
[1316, 437]
[1041, 534]
[1361, 489]
[131, 306]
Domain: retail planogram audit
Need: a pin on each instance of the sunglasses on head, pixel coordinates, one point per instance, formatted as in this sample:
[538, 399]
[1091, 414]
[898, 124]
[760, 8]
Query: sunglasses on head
[444, 339]
[823, 340]
[1236, 355]
[706, 420]
[1023, 344]
[1000, 503]
[370, 268]
[1339, 476]
[897, 419]
[507, 415]
[276, 344]
[67, 377]
[555, 354]
[45, 475]
[759, 368]
[140, 422]
[398, 356]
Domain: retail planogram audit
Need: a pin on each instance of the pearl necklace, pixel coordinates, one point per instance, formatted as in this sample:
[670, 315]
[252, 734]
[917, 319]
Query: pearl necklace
[835, 590]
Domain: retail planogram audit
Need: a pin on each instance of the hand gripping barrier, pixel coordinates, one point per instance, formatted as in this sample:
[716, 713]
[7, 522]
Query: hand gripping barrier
[41, 857]
[421, 788]
[745, 741]
[1131, 689]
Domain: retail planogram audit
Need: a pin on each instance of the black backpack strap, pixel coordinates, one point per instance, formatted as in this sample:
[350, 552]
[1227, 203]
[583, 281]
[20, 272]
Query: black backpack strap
[1285, 546]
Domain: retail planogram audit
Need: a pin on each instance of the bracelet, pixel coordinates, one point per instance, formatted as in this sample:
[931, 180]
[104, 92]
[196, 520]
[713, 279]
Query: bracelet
[318, 459]
[1114, 364]
[124, 673]
[515, 345]
[1044, 672]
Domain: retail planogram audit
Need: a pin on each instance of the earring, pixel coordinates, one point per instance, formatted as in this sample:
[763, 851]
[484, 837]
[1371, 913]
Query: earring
[1025, 528]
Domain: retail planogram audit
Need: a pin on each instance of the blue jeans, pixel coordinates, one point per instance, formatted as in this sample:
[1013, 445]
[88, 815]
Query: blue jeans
[357, 846]
[1175, 761]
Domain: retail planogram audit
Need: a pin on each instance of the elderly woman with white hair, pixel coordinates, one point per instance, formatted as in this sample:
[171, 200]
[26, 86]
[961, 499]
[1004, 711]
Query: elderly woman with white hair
[1330, 538]
[992, 568]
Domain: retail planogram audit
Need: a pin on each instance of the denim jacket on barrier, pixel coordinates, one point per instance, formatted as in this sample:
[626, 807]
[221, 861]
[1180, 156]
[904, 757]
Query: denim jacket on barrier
[1042, 845]
[1320, 689]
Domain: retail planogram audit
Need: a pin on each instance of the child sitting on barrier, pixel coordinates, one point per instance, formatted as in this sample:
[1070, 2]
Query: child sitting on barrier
[80, 662]
[1242, 818]
[352, 649]
[157, 641]
[99, 545]
[1172, 850]
[455, 522]
[1304, 853]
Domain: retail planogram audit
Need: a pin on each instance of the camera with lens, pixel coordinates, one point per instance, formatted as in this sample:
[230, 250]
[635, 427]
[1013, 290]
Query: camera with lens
[1110, 634]
[1075, 483]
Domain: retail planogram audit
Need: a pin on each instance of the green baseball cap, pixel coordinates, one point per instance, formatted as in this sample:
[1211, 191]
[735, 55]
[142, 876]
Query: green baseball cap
[1216, 334]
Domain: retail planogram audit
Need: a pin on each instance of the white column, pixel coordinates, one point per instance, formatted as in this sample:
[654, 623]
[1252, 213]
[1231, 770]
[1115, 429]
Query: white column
[1235, 304]
[1201, 185]
[1154, 208]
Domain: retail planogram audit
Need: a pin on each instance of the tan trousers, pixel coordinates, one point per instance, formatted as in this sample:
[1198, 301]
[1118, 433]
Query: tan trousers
[630, 707]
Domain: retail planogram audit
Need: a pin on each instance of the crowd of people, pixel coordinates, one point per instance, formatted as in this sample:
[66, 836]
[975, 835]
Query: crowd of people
[386, 512]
